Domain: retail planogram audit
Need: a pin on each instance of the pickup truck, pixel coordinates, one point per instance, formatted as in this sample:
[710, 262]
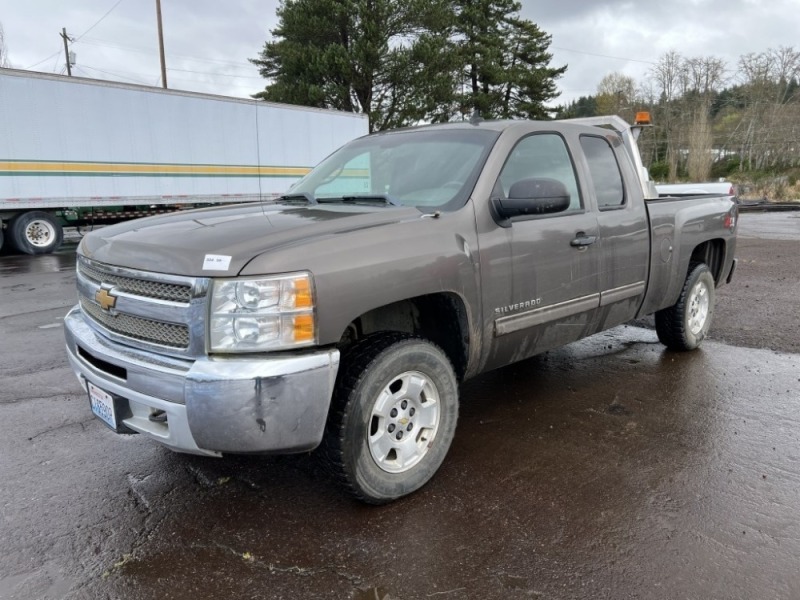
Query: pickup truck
[345, 315]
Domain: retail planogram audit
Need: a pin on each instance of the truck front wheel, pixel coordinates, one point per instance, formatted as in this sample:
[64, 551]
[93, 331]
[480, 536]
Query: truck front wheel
[393, 416]
[684, 325]
[35, 232]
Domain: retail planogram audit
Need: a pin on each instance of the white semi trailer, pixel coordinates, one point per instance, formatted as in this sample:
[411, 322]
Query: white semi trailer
[77, 151]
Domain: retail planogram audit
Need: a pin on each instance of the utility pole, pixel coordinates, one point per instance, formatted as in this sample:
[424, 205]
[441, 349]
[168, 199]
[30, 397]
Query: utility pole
[161, 46]
[66, 50]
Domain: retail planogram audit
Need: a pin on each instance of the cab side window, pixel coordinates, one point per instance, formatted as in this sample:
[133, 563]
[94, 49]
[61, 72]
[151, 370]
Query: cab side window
[542, 155]
[604, 169]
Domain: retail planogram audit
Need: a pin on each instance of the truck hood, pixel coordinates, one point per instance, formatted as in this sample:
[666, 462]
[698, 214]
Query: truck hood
[220, 241]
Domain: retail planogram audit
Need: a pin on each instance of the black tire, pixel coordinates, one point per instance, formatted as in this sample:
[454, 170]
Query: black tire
[35, 232]
[408, 379]
[685, 325]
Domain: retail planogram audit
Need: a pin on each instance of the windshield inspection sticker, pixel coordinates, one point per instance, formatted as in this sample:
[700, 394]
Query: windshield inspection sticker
[216, 262]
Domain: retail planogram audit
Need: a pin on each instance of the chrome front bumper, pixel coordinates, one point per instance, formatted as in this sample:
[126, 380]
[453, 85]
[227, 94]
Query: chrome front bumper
[212, 405]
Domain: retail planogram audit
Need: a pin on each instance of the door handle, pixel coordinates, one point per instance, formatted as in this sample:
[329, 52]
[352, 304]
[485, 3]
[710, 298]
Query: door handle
[582, 240]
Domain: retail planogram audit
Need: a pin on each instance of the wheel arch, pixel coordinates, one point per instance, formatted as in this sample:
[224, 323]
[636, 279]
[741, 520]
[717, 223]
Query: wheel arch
[441, 318]
[712, 254]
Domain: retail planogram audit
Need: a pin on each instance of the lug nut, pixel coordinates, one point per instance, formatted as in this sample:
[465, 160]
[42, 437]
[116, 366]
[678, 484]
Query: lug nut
[393, 414]
[410, 427]
[391, 428]
[399, 435]
[412, 411]
[404, 404]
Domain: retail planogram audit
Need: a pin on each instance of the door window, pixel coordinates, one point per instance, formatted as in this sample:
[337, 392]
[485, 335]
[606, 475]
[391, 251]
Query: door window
[542, 155]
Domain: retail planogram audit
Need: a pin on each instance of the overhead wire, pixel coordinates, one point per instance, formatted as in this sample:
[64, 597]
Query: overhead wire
[100, 20]
[116, 74]
[36, 64]
[57, 52]
[215, 74]
[104, 43]
[639, 60]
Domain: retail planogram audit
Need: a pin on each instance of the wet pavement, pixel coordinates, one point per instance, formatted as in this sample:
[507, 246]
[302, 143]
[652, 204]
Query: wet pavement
[608, 469]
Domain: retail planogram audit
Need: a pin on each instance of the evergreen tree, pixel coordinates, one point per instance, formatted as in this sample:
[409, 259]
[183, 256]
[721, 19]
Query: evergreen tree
[585, 106]
[506, 70]
[406, 61]
[379, 57]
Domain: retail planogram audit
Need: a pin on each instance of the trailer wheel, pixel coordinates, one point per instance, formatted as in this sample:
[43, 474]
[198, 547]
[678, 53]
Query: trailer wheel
[35, 232]
[393, 416]
[684, 325]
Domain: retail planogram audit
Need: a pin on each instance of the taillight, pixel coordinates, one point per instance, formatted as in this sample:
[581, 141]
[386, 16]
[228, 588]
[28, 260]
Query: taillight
[729, 222]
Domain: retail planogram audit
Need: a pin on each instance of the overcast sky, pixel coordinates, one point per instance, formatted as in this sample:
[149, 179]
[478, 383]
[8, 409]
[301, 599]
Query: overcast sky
[208, 42]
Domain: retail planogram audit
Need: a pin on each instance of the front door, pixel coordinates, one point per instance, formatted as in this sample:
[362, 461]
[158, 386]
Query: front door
[555, 260]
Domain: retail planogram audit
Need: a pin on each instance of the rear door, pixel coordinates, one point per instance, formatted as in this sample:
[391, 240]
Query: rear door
[624, 247]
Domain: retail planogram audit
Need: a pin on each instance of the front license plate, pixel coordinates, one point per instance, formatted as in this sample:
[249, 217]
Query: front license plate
[103, 406]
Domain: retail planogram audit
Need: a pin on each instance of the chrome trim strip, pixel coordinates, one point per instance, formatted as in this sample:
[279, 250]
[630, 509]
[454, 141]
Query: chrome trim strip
[136, 274]
[531, 318]
[621, 293]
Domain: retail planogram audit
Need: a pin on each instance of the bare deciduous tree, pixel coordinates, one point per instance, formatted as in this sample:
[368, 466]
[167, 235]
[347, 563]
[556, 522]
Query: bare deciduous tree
[705, 75]
[669, 75]
[3, 49]
[767, 134]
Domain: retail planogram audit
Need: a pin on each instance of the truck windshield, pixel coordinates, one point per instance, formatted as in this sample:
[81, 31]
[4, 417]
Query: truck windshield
[426, 168]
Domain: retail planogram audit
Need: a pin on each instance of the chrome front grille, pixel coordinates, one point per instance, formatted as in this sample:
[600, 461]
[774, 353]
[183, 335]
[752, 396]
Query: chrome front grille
[172, 335]
[137, 287]
[151, 311]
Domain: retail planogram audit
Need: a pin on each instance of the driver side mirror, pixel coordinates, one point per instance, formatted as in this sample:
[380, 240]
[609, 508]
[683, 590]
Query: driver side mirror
[533, 196]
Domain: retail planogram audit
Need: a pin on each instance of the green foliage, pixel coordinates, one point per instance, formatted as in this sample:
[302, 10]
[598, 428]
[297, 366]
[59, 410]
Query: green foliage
[724, 167]
[659, 171]
[585, 106]
[506, 72]
[406, 61]
[370, 56]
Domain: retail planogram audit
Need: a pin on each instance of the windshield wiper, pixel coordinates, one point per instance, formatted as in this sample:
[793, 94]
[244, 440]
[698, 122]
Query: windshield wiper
[293, 198]
[385, 199]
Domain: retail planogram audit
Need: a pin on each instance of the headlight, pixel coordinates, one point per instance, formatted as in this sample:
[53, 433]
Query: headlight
[267, 313]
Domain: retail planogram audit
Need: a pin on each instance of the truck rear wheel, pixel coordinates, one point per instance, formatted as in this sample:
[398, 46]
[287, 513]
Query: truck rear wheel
[35, 232]
[393, 416]
[684, 325]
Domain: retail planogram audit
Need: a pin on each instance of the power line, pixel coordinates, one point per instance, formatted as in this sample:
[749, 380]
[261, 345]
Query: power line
[57, 52]
[104, 43]
[647, 62]
[216, 74]
[116, 74]
[139, 77]
[99, 20]
[56, 63]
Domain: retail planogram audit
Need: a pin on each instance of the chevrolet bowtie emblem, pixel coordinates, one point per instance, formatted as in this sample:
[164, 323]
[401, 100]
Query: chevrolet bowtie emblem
[105, 299]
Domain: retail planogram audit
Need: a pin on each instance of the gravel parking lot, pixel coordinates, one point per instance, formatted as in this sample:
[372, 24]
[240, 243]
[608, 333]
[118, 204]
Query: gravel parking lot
[611, 468]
